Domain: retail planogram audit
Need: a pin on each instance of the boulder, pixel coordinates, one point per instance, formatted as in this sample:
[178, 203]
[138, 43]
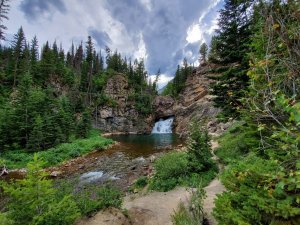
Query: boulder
[163, 107]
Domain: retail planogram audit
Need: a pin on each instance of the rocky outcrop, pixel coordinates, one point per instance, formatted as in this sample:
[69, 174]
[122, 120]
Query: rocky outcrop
[163, 107]
[194, 102]
[119, 115]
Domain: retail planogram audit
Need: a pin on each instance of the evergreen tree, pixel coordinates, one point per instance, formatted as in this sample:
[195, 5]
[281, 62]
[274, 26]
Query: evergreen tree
[36, 138]
[199, 149]
[32, 200]
[84, 125]
[230, 47]
[203, 52]
[34, 55]
[47, 65]
[78, 58]
[18, 45]
[234, 30]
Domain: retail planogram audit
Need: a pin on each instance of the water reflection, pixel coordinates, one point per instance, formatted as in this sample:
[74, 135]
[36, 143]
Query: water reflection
[145, 145]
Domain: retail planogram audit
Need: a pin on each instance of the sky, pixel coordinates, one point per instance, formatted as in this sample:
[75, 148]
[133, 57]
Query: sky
[163, 32]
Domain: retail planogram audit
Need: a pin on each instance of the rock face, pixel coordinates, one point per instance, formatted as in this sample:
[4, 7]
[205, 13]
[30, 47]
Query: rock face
[163, 107]
[119, 114]
[194, 102]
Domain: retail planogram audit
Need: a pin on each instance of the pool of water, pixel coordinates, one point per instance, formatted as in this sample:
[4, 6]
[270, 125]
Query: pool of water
[121, 163]
[144, 145]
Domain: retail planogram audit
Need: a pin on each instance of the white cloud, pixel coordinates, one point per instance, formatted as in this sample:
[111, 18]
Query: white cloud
[162, 81]
[156, 30]
[141, 52]
[194, 33]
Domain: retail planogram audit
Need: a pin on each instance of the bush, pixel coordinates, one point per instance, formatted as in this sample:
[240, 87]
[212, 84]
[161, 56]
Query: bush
[186, 168]
[259, 192]
[4, 220]
[141, 182]
[32, 200]
[168, 170]
[194, 215]
[91, 198]
[199, 149]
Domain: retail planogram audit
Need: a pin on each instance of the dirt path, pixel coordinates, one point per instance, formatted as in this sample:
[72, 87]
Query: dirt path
[215, 187]
[156, 208]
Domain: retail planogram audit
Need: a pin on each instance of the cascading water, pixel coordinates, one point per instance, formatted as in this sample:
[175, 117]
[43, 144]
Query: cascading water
[163, 126]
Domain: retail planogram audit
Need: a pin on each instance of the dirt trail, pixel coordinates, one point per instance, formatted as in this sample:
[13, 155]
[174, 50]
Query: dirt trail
[215, 187]
[156, 208]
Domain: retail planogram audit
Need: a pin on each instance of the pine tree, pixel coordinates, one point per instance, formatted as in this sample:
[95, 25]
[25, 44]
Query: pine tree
[36, 138]
[32, 200]
[18, 45]
[46, 67]
[234, 30]
[203, 52]
[84, 125]
[199, 149]
[34, 55]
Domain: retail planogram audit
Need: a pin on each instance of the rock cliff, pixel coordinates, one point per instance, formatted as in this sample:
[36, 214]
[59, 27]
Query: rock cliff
[120, 116]
[194, 101]
[163, 107]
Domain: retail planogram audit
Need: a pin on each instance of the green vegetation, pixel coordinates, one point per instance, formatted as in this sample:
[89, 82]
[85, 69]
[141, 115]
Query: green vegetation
[36, 200]
[141, 182]
[90, 198]
[186, 168]
[174, 87]
[237, 142]
[33, 200]
[262, 153]
[47, 98]
[194, 214]
[58, 154]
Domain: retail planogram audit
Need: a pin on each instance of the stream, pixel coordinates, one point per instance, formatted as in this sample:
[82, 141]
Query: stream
[122, 163]
[127, 160]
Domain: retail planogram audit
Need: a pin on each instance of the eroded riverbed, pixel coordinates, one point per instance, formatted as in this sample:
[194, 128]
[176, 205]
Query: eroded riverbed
[121, 163]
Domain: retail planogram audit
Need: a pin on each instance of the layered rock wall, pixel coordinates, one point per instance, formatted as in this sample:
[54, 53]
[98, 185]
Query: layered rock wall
[120, 116]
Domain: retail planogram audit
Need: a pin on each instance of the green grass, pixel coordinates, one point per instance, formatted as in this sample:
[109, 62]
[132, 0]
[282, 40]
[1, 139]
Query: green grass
[56, 155]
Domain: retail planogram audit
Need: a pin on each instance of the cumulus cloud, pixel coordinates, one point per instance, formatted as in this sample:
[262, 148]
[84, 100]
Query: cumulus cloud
[162, 81]
[162, 32]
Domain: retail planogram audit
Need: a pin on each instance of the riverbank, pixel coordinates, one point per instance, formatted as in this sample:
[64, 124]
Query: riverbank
[155, 208]
[18, 159]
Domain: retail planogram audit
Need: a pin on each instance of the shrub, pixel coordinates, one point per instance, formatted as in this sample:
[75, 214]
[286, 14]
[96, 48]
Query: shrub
[32, 200]
[141, 182]
[168, 169]
[91, 198]
[260, 191]
[199, 149]
[60, 153]
[194, 215]
[4, 219]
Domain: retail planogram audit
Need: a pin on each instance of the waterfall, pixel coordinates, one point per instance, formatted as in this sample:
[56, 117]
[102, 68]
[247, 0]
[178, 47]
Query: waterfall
[163, 126]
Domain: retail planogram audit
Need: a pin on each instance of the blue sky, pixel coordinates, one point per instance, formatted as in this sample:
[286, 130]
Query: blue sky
[162, 32]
